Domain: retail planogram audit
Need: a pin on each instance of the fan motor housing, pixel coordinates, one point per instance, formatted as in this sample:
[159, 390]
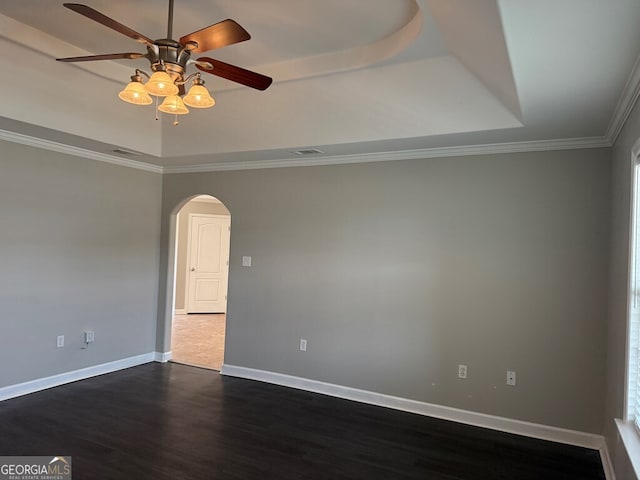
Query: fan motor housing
[169, 56]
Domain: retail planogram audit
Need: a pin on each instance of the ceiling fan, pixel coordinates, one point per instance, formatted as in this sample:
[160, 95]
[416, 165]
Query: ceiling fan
[169, 59]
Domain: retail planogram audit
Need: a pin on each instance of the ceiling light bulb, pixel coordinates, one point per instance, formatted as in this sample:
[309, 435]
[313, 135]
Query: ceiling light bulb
[173, 104]
[161, 85]
[135, 93]
[199, 97]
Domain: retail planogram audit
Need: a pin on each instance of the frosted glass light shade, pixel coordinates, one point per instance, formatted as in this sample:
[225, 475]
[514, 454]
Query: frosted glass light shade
[199, 97]
[161, 85]
[173, 104]
[135, 93]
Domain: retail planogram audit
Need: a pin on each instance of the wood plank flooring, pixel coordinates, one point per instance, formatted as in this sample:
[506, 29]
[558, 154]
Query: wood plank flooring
[171, 421]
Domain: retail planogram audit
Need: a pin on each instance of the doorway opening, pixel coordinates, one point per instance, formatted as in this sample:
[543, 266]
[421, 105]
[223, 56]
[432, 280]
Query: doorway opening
[201, 281]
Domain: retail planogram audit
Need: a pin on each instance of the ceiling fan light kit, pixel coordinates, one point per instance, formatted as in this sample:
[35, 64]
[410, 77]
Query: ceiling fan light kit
[173, 104]
[135, 92]
[169, 60]
[198, 96]
[160, 84]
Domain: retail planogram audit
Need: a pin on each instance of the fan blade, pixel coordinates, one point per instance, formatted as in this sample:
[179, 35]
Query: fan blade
[107, 56]
[235, 74]
[215, 36]
[107, 22]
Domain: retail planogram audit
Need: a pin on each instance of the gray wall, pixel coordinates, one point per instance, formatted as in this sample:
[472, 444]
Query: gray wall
[183, 238]
[622, 169]
[396, 272]
[78, 250]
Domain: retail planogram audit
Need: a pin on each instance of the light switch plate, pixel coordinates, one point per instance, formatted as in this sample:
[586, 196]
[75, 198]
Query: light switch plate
[246, 261]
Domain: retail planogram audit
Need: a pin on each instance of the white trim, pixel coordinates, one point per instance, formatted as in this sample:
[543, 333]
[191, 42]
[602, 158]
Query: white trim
[181, 311]
[440, 152]
[627, 101]
[32, 386]
[519, 427]
[631, 442]
[607, 464]
[187, 265]
[635, 153]
[626, 428]
[162, 357]
[76, 151]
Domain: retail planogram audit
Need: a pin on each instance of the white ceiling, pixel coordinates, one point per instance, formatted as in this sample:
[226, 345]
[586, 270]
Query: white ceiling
[357, 79]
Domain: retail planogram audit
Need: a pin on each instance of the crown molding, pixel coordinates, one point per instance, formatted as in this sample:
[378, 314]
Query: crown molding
[626, 102]
[442, 152]
[76, 151]
[488, 149]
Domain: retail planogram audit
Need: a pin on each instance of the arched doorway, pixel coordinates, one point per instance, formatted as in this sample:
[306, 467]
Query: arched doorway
[200, 283]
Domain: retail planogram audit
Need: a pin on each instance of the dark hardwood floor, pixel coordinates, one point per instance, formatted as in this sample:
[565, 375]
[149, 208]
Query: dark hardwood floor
[171, 421]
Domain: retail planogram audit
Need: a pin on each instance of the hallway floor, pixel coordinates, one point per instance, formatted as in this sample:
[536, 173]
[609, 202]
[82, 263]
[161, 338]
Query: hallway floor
[199, 340]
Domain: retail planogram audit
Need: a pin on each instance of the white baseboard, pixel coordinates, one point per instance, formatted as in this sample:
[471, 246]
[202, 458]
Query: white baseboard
[32, 386]
[519, 427]
[534, 430]
[162, 357]
[180, 311]
[607, 464]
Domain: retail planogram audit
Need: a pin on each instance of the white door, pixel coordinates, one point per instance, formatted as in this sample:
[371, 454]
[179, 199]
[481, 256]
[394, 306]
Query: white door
[208, 263]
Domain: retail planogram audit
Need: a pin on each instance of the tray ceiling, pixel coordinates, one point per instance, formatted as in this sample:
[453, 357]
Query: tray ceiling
[350, 78]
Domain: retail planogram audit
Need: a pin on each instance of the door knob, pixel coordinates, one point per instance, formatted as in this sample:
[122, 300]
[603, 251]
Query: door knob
[193, 269]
